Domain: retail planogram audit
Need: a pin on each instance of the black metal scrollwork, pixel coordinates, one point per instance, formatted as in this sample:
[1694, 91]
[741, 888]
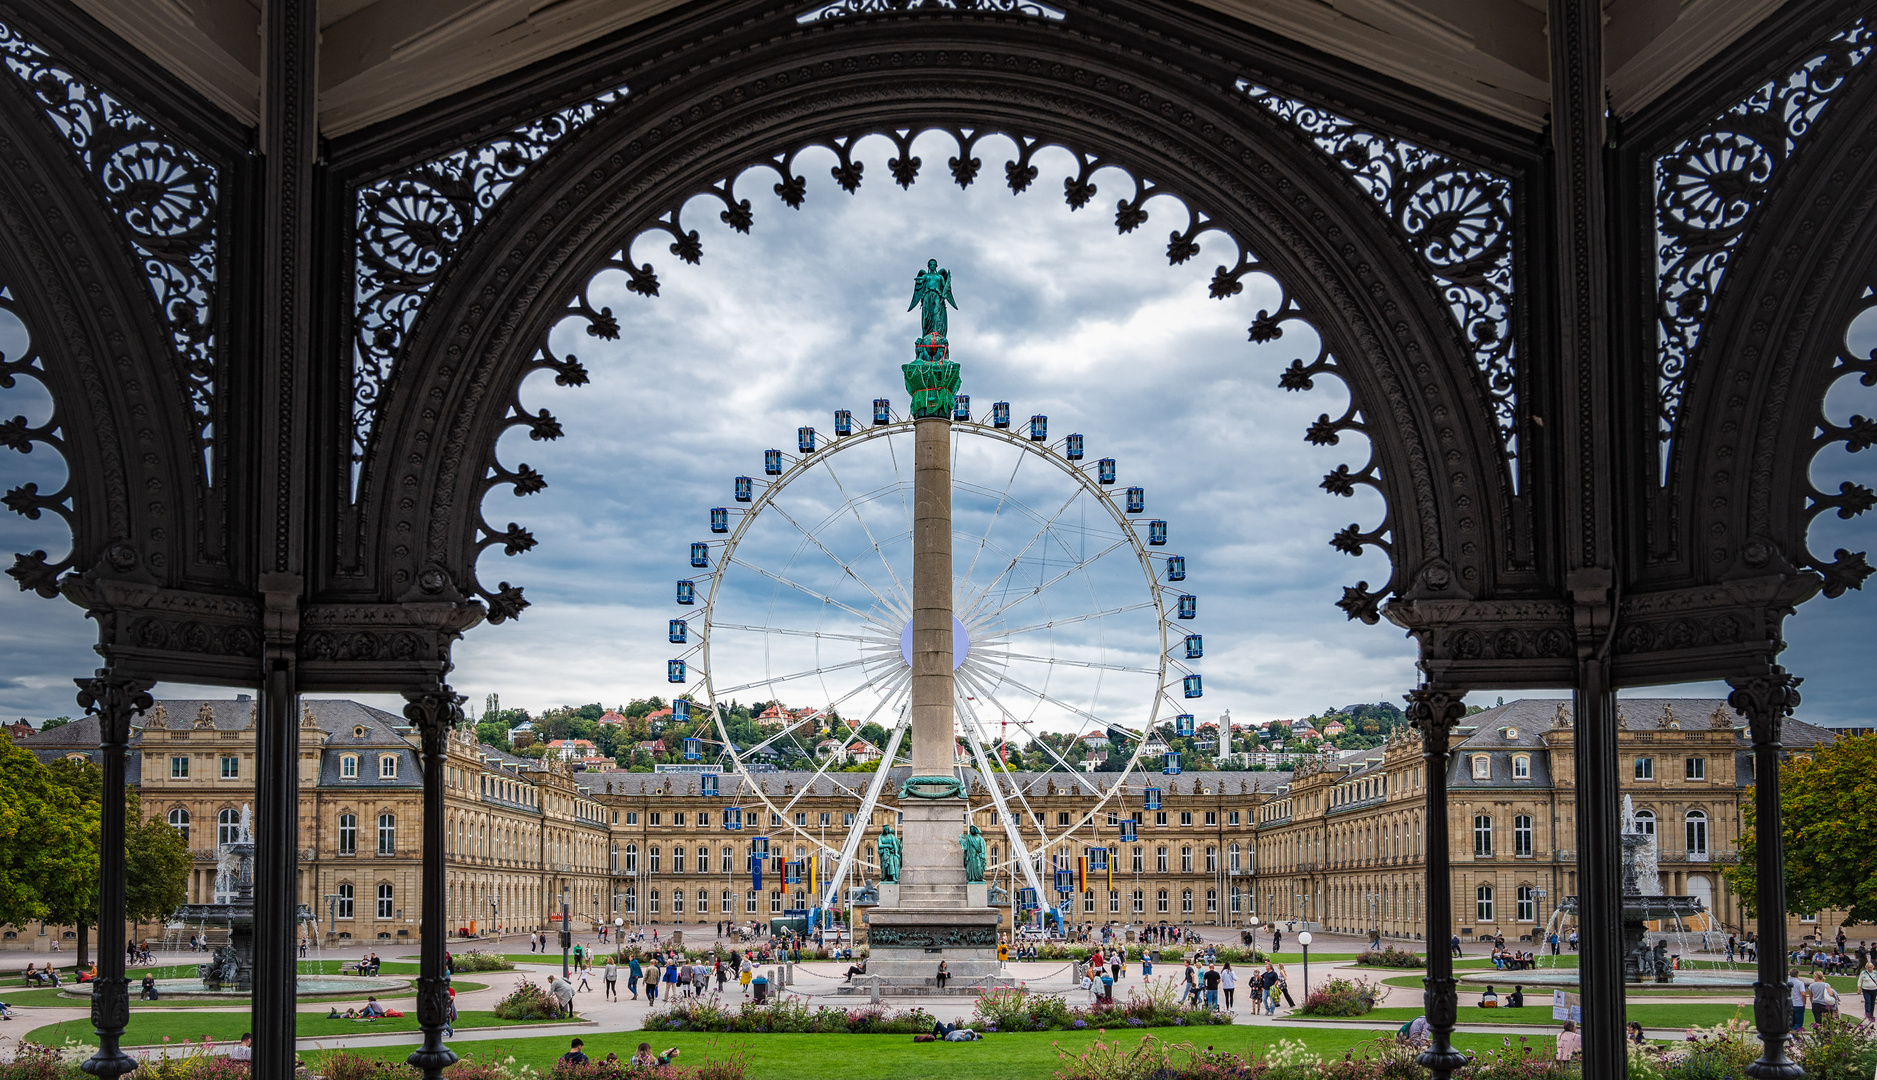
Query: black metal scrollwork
[848, 8]
[1846, 569]
[164, 194]
[411, 225]
[1707, 187]
[1456, 216]
[33, 570]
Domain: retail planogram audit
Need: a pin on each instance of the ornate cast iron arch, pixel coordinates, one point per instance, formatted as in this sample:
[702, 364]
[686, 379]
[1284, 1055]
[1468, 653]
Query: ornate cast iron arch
[1171, 117]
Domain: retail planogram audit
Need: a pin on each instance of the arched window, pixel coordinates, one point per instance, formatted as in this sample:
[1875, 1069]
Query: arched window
[1482, 767]
[345, 902]
[1483, 897]
[1482, 835]
[1232, 857]
[632, 859]
[348, 767]
[228, 826]
[1697, 830]
[348, 834]
[1186, 860]
[179, 820]
[1645, 822]
[385, 910]
[1522, 835]
[1521, 767]
[387, 834]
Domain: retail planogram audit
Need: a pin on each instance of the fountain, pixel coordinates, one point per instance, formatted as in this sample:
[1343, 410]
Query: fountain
[1643, 903]
[229, 972]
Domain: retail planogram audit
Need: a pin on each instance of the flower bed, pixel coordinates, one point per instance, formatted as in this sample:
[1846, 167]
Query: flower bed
[528, 1001]
[1340, 997]
[1390, 957]
[1383, 1059]
[1021, 1009]
[345, 1065]
[479, 961]
[786, 1014]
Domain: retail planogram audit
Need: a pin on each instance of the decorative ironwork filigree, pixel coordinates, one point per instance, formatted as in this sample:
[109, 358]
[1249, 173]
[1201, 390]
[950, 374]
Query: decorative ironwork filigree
[1846, 569]
[847, 8]
[1706, 189]
[32, 569]
[1456, 216]
[165, 195]
[410, 227]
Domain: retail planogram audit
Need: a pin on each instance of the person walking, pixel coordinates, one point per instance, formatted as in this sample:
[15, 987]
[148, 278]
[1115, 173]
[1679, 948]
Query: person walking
[1212, 987]
[1867, 985]
[1824, 999]
[633, 974]
[1797, 986]
[1228, 981]
[612, 979]
[1455, 945]
[1267, 984]
[1283, 986]
[1191, 992]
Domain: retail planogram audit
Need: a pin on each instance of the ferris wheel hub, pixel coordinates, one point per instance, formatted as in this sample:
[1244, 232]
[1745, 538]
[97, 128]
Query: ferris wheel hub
[961, 643]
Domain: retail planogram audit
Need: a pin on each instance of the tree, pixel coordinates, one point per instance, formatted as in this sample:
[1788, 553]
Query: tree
[38, 834]
[55, 722]
[158, 861]
[1829, 806]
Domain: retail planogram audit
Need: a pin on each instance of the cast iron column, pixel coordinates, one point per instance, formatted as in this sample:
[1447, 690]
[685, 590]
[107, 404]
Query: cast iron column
[1599, 871]
[435, 714]
[1766, 700]
[114, 698]
[1434, 714]
[276, 869]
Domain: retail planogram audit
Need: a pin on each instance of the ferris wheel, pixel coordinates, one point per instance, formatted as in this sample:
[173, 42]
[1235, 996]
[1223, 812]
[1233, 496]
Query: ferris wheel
[1072, 630]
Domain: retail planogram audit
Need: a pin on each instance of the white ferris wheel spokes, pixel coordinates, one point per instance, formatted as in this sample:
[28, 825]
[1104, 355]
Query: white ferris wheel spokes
[1065, 628]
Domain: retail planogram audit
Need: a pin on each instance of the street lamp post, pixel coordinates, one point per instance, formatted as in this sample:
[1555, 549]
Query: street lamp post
[566, 936]
[1304, 939]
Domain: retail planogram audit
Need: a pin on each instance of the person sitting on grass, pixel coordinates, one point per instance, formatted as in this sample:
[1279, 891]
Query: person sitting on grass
[1489, 999]
[576, 1054]
[645, 1059]
[372, 1009]
[1516, 999]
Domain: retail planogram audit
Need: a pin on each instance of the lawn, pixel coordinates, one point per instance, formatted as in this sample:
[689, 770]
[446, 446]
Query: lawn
[52, 997]
[1676, 1015]
[1017, 1056]
[150, 1029]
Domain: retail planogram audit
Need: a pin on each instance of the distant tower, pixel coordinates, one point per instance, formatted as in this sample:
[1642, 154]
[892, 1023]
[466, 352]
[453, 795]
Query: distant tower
[492, 704]
[1225, 735]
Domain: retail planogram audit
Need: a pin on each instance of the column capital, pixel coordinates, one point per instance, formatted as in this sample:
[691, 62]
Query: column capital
[1434, 713]
[113, 697]
[434, 712]
[1765, 700]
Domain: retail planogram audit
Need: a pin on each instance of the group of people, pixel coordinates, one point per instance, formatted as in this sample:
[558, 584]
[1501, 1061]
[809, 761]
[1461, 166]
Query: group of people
[645, 1058]
[1513, 960]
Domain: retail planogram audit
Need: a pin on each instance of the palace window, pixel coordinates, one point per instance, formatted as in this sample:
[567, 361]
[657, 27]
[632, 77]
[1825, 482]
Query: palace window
[1482, 767]
[775, 903]
[1483, 898]
[677, 822]
[1062, 819]
[749, 902]
[652, 901]
[1697, 829]
[387, 834]
[1160, 902]
[179, 768]
[1231, 818]
[1645, 768]
[231, 767]
[1140, 902]
[1114, 901]
[632, 859]
[1695, 768]
[1160, 859]
[1186, 818]
[658, 819]
[1160, 819]
[1528, 904]
[632, 817]
[348, 767]
[1482, 835]
[1212, 901]
[677, 902]
[1232, 857]
[388, 767]
[1186, 860]
[1114, 819]
[727, 902]
[384, 902]
[1212, 817]
[801, 820]
[632, 900]
[345, 902]
[1186, 901]
[179, 820]
[1212, 860]
[1521, 767]
[677, 867]
[1522, 835]
[655, 854]
[1138, 860]
[348, 834]
[1088, 902]
[227, 826]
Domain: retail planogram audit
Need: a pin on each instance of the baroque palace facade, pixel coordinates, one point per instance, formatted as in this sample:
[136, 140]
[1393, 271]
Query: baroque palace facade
[1335, 845]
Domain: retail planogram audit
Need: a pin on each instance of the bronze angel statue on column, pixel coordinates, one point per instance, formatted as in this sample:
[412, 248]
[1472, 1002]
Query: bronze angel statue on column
[931, 291]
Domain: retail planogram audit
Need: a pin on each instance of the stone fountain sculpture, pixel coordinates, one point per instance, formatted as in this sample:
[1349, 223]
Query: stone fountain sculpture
[232, 967]
[1642, 961]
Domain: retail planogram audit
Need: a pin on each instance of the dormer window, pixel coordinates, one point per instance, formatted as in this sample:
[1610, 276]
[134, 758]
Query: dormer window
[358, 732]
[388, 767]
[1482, 767]
[348, 767]
[1512, 734]
[1521, 767]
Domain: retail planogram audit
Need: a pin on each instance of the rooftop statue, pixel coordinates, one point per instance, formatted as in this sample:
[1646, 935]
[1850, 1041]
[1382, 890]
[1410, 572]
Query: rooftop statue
[931, 291]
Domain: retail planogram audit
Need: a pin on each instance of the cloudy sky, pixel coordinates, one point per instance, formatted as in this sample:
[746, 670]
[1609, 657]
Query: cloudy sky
[1059, 316]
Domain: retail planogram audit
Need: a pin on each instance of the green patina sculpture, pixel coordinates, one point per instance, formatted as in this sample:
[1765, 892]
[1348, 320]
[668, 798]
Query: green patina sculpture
[889, 856]
[932, 787]
[973, 843]
[932, 379]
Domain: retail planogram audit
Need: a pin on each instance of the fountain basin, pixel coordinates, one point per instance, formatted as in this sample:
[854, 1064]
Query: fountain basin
[306, 986]
[1559, 978]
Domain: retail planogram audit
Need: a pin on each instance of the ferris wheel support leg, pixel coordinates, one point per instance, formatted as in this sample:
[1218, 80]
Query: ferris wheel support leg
[862, 819]
[1018, 852]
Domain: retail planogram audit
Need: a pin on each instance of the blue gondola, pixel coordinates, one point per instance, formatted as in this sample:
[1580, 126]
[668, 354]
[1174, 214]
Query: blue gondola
[1195, 646]
[843, 422]
[744, 488]
[759, 847]
[1097, 859]
[707, 784]
[1000, 414]
[1039, 428]
[700, 555]
[805, 439]
[1183, 725]
[1074, 448]
[1137, 500]
[1189, 606]
[961, 407]
[1065, 881]
[720, 519]
[674, 671]
[733, 819]
[687, 591]
[1176, 568]
[1130, 830]
[1170, 764]
[680, 631]
[693, 749]
[681, 710]
[792, 872]
[1026, 899]
[1193, 689]
[772, 463]
[1157, 533]
[882, 411]
[1150, 798]
[1104, 470]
